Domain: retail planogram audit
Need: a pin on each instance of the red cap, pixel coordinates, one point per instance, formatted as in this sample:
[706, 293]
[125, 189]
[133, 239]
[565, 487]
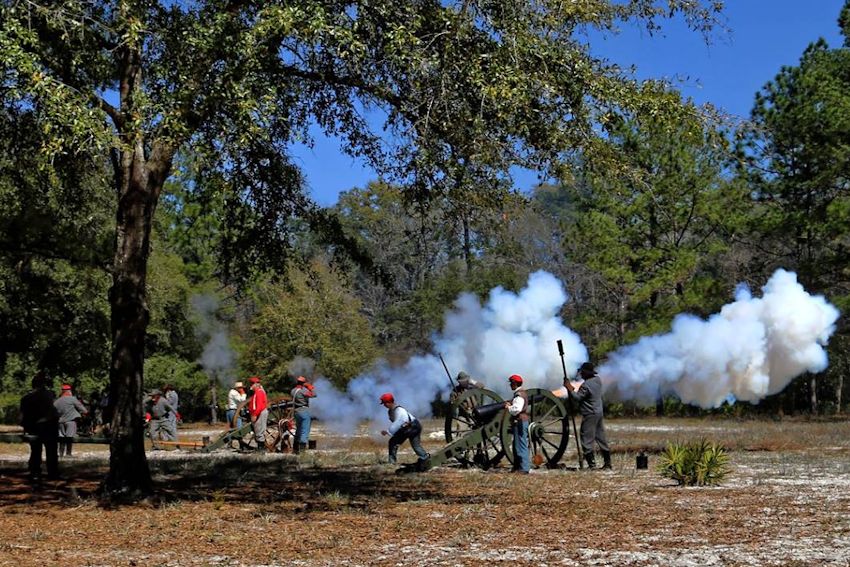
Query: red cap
[254, 379]
[66, 386]
[387, 398]
[515, 378]
[300, 380]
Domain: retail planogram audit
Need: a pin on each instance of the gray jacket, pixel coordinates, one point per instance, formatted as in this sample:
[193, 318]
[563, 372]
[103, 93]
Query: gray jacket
[69, 408]
[589, 397]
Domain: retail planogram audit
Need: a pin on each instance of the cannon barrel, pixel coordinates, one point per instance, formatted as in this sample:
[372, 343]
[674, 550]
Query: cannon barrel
[487, 412]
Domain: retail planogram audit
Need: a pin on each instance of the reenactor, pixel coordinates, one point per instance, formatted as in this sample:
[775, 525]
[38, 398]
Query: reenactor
[301, 394]
[518, 408]
[258, 409]
[589, 397]
[40, 419]
[160, 424]
[70, 409]
[235, 397]
[403, 426]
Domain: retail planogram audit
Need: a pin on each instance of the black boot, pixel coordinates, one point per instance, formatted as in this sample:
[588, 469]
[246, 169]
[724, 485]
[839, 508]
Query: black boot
[588, 458]
[296, 447]
[302, 447]
[606, 460]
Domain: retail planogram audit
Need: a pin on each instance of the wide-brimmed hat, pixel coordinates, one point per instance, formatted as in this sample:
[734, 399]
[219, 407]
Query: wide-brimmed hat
[239, 385]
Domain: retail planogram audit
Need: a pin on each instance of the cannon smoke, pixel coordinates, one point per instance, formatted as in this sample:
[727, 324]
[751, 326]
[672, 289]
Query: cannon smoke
[753, 348]
[217, 358]
[512, 333]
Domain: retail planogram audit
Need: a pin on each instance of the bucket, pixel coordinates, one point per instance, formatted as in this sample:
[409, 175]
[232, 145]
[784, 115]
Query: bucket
[311, 444]
[642, 461]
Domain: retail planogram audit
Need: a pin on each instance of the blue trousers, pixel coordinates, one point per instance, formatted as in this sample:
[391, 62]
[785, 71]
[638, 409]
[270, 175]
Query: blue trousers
[520, 432]
[230, 414]
[302, 427]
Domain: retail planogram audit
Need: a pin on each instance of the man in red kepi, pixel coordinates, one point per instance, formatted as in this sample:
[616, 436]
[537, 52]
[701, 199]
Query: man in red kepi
[70, 409]
[404, 425]
[258, 408]
[518, 408]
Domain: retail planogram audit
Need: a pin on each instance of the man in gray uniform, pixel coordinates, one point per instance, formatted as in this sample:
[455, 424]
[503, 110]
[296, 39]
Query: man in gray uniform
[70, 409]
[160, 426]
[170, 395]
[589, 397]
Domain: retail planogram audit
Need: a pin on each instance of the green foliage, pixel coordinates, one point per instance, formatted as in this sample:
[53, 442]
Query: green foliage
[694, 463]
[314, 317]
[797, 160]
[187, 377]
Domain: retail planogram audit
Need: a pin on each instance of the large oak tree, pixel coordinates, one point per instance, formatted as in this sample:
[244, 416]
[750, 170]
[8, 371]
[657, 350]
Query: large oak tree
[236, 82]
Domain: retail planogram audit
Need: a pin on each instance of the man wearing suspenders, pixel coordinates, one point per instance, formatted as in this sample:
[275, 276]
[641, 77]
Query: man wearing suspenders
[518, 408]
[404, 425]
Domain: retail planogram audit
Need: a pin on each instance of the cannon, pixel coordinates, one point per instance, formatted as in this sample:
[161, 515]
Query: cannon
[478, 431]
[280, 430]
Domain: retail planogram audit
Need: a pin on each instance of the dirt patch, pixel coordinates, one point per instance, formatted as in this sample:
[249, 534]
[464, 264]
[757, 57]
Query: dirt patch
[339, 506]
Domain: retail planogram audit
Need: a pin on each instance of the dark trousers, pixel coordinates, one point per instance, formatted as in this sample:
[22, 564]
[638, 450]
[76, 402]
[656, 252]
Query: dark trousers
[47, 437]
[593, 430]
[412, 432]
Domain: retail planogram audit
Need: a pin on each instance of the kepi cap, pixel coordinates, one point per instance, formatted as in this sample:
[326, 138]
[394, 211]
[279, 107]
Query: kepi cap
[66, 386]
[387, 398]
[254, 379]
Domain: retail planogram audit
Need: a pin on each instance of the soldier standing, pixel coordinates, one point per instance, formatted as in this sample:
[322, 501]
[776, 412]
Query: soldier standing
[589, 397]
[160, 424]
[404, 425]
[301, 394]
[70, 409]
[258, 408]
[518, 408]
[40, 418]
[170, 395]
[235, 397]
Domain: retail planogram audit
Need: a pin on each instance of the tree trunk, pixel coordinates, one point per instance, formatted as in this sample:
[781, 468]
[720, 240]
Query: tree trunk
[139, 182]
[813, 391]
[838, 389]
[213, 402]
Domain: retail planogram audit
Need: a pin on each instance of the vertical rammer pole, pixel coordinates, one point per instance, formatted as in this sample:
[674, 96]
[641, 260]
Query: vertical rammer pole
[570, 405]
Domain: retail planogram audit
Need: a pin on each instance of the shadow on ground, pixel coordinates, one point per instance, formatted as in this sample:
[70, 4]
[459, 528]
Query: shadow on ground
[231, 478]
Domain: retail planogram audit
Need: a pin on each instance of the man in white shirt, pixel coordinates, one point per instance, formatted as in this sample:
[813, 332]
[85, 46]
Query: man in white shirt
[235, 397]
[518, 408]
[403, 425]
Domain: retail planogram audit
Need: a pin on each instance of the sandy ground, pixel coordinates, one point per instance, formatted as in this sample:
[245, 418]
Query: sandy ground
[786, 503]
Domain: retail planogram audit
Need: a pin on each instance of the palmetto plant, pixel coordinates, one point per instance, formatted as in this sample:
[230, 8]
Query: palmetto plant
[695, 463]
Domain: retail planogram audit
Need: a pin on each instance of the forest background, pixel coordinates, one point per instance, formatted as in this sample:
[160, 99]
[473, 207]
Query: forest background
[692, 206]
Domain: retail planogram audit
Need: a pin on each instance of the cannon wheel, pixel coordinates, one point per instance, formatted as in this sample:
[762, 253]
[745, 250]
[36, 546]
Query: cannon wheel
[279, 417]
[548, 429]
[459, 421]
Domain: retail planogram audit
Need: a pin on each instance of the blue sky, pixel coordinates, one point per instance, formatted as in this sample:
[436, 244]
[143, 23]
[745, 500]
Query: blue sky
[762, 36]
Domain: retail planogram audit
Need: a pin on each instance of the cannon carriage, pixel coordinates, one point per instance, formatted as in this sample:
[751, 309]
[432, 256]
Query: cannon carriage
[478, 431]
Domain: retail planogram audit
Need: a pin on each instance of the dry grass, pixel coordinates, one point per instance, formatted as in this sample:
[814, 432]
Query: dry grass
[786, 502]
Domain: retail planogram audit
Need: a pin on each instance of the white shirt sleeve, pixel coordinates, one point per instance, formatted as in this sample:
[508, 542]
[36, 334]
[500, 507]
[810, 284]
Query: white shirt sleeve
[517, 404]
[402, 417]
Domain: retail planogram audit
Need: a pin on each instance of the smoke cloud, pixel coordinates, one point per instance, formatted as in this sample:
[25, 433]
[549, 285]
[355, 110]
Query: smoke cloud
[217, 357]
[753, 348]
[512, 333]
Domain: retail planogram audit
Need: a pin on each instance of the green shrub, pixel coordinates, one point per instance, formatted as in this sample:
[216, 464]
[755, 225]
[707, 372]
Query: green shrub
[695, 463]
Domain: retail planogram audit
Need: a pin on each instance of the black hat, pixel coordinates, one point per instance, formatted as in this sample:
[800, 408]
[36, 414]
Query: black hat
[587, 369]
